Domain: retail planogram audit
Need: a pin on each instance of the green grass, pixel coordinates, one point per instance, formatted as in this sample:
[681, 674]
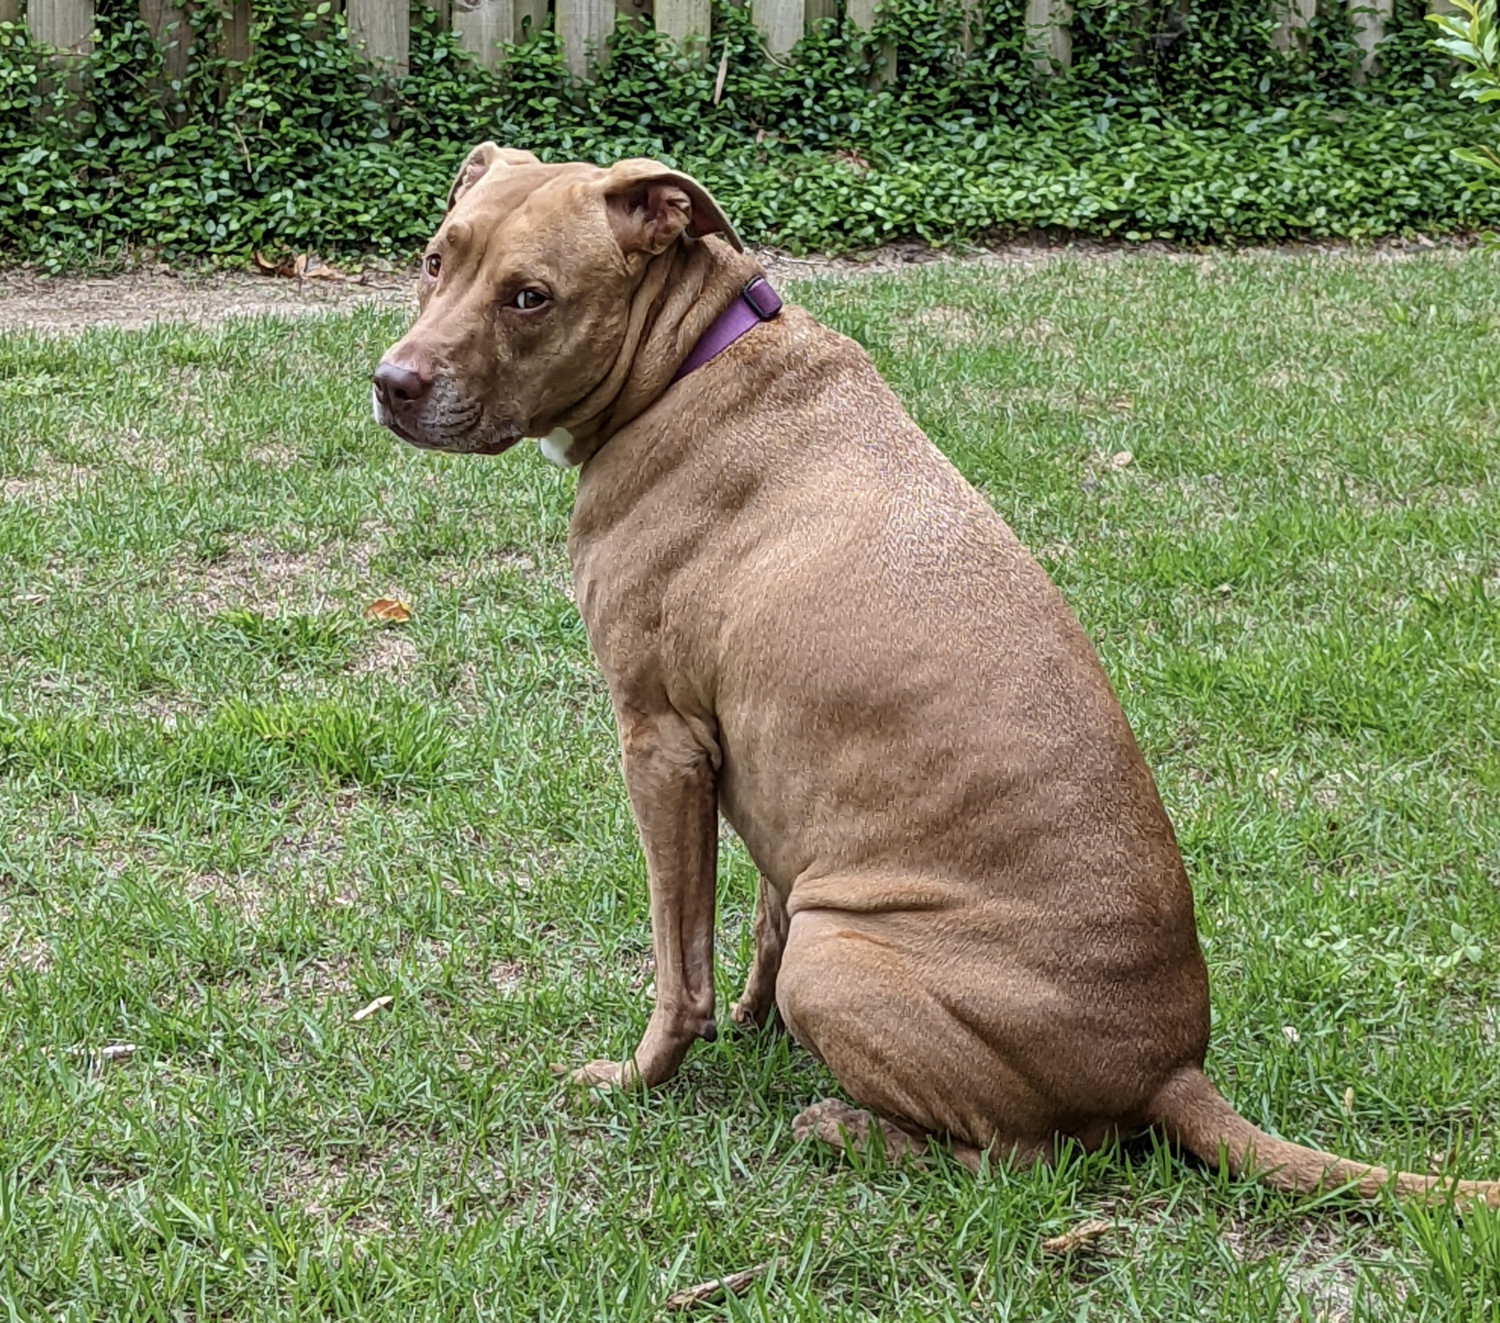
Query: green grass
[232, 813]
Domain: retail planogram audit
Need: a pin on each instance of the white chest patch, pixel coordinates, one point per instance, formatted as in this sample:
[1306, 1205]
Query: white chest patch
[555, 446]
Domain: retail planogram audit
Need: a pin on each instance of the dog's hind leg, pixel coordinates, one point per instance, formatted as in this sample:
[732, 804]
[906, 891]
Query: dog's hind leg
[851, 993]
[759, 997]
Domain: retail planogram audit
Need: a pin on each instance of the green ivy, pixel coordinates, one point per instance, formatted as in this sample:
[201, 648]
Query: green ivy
[1176, 121]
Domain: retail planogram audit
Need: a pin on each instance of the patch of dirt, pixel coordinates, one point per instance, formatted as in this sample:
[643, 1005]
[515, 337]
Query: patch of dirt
[244, 894]
[953, 328]
[21, 951]
[138, 298]
[504, 976]
[315, 835]
[1322, 1268]
[365, 1191]
[274, 456]
[48, 480]
[319, 981]
[1043, 332]
[265, 578]
[387, 653]
[134, 299]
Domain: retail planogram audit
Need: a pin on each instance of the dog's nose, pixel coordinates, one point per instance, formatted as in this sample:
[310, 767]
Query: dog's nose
[400, 386]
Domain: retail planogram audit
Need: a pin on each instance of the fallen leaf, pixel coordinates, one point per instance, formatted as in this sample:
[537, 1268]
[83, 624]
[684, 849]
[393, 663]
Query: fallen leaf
[1349, 1101]
[365, 1012]
[1077, 1238]
[388, 611]
[1121, 460]
[734, 1284]
[303, 266]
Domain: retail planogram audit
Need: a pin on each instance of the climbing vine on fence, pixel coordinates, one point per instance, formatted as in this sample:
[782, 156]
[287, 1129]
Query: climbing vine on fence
[1175, 121]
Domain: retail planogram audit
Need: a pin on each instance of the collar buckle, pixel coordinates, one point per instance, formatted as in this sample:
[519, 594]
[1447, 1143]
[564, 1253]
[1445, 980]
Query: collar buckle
[764, 301]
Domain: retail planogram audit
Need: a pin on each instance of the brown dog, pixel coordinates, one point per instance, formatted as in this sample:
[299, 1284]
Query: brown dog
[972, 906]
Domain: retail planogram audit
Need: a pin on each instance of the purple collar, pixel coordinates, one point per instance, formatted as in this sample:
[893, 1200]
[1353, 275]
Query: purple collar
[757, 303]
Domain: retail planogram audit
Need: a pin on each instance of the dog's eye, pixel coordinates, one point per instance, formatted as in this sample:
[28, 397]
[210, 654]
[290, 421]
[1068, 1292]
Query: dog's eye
[528, 300]
[434, 265]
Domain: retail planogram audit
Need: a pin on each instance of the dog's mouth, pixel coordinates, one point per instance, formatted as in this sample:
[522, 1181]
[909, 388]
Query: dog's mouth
[469, 441]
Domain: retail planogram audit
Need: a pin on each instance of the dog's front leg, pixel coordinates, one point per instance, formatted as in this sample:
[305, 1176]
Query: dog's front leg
[671, 784]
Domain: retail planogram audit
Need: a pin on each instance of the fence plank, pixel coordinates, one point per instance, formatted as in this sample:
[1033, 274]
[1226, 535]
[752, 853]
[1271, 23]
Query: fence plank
[65, 24]
[169, 25]
[10, 11]
[862, 14]
[481, 24]
[583, 25]
[971, 21]
[1291, 29]
[532, 12]
[1048, 25]
[780, 23]
[815, 11]
[383, 30]
[1369, 18]
[683, 20]
[234, 34]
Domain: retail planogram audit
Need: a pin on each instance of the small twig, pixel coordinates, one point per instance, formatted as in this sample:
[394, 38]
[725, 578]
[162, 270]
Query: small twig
[723, 73]
[245, 151]
[705, 1292]
[365, 1012]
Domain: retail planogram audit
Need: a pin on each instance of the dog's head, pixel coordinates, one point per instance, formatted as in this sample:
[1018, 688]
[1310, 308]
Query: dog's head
[526, 293]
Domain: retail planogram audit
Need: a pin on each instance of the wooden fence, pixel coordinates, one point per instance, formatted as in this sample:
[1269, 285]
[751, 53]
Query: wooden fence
[381, 28]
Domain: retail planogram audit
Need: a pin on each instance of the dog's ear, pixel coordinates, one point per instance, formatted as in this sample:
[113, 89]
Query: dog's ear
[480, 162]
[650, 207]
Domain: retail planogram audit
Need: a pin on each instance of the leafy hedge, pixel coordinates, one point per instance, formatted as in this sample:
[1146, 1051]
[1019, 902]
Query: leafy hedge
[1180, 123]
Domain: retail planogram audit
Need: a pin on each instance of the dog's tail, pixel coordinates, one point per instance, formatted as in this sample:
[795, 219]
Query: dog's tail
[1190, 1111]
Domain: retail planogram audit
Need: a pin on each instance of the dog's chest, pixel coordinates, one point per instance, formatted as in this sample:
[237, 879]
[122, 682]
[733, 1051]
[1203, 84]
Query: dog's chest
[648, 595]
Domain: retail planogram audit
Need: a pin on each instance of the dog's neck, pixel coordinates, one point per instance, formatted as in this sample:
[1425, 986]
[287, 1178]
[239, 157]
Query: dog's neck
[680, 294]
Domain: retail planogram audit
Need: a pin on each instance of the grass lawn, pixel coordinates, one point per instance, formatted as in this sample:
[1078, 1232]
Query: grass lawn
[232, 814]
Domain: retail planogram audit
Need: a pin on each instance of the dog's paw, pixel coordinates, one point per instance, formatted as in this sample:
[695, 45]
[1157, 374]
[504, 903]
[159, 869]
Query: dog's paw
[748, 1017]
[850, 1128]
[607, 1075]
[833, 1122]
